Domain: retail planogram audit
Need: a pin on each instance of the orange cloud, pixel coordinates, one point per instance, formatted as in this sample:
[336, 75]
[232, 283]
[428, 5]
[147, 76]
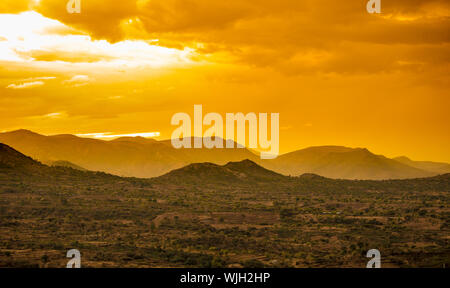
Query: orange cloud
[15, 6]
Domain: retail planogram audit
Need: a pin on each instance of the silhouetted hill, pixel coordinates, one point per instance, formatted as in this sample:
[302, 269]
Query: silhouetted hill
[233, 172]
[14, 166]
[12, 159]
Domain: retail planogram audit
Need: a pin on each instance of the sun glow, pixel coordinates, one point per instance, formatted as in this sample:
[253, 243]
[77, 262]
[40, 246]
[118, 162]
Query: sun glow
[51, 41]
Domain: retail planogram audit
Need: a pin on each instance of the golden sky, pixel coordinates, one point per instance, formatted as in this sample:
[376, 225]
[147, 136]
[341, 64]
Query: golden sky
[336, 74]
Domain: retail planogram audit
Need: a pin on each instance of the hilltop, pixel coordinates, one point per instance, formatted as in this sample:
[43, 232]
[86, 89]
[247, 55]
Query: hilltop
[344, 163]
[234, 172]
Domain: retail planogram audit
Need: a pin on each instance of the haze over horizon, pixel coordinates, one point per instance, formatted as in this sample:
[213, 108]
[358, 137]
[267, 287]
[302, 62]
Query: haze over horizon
[336, 74]
[108, 136]
[147, 158]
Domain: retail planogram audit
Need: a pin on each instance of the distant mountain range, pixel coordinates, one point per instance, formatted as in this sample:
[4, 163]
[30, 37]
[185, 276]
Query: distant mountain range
[136, 157]
[345, 163]
[14, 166]
[146, 158]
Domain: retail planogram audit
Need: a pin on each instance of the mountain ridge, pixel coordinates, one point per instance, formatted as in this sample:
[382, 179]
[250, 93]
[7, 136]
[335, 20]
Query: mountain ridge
[146, 158]
[246, 171]
[344, 163]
